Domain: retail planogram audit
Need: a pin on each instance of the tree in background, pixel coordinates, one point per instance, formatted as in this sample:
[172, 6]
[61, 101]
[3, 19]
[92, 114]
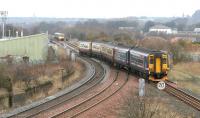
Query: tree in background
[148, 25]
[171, 24]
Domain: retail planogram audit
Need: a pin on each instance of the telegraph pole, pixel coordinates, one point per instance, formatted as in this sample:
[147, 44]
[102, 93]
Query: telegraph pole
[4, 18]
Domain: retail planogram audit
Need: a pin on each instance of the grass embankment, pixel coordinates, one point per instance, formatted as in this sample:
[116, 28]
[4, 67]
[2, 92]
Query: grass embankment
[155, 104]
[187, 76]
[39, 80]
[55, 79]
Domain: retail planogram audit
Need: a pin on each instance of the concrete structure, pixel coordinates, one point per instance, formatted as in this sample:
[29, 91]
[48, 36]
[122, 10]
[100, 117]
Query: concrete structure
[34, 47]
[162, 29]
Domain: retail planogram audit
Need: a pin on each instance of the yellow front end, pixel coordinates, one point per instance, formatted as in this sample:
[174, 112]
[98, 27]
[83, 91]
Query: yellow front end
[165, 66]
[158, 67]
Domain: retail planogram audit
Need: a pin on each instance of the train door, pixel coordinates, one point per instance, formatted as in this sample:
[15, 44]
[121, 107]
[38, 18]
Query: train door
[164, 63]
[158, 65]
[151, 63]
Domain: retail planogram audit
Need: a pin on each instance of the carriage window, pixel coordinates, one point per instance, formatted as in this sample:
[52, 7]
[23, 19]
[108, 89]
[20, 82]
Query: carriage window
[121, 55]
[137, 60]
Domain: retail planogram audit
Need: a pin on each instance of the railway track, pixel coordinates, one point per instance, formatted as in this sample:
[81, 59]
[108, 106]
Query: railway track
[173, 90]
[99, 73]
[95, 99]
[72, 45]
[183, 96]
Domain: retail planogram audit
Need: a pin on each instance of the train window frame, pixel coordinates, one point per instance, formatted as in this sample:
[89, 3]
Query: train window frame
[120, 55]
[151, 59]
[164, 60]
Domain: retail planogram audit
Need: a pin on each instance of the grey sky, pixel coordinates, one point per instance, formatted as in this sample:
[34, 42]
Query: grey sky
[99, 8]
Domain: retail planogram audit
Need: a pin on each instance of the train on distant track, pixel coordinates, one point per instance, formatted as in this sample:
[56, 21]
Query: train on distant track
[149, 64]
[59, 36]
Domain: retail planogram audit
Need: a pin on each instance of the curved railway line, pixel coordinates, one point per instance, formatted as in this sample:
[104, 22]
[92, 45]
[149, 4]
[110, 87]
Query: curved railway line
[183, 96]
[171, 89]
[76, 110]
[97, 76]
[176, 92]
[62, 105]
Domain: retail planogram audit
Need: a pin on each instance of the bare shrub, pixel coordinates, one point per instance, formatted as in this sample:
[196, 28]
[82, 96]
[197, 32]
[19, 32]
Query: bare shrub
[156, 43]
[51, 55]
[144, 107]
[67, 65]
[5, 80]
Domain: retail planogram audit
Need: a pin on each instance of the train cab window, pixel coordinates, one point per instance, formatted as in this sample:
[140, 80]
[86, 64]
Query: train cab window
[164, 60]
[151, 59]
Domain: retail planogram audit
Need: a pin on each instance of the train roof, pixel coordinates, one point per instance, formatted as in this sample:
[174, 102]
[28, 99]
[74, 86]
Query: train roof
[84, 41]
[122, 47]
[145, 50]
[110, 44]
[97, 42]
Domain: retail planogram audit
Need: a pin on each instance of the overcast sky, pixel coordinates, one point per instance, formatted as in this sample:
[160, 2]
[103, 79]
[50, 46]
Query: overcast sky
[98, 8]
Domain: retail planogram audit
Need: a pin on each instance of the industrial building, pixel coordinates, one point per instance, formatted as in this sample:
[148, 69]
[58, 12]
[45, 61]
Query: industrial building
[34, 47]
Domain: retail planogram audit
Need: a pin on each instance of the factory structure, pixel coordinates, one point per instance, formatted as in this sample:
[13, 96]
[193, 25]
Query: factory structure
[34, 47]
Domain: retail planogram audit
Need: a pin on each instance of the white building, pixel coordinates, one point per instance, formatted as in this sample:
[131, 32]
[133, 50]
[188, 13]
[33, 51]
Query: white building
[126, 28]
[162, 29]
[197, 30]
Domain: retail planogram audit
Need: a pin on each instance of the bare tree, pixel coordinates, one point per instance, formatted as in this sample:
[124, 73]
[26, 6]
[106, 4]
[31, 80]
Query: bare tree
[51, 56]
[143, 107]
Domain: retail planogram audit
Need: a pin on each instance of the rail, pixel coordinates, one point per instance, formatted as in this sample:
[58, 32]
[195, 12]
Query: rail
[183, 96]
[90, 100]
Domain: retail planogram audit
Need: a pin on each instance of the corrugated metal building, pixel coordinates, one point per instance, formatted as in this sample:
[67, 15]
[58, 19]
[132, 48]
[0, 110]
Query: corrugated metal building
[33, 46]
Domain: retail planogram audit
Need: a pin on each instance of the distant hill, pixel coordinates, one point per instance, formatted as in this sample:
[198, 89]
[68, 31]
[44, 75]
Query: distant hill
[195, 18]
[29, 20]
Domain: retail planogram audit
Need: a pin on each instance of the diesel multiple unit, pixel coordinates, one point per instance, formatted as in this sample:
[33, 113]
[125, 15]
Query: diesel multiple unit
[149, 64]
[59, 36]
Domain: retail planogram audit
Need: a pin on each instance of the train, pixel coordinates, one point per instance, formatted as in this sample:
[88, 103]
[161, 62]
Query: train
[59, 36]
[152, 65]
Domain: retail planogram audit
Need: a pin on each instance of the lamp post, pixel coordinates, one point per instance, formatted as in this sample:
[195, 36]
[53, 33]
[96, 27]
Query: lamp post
[62, 69]
[9, 33]
[4, 18]
[10, 93]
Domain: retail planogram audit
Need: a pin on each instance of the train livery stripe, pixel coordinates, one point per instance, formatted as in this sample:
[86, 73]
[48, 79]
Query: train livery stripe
[158, 65]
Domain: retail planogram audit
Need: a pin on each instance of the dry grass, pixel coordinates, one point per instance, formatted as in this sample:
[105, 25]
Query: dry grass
[153, 105]
[187, 76]
[3, 92]
[58, 84]
[76, 76]
[190, 67]
[24, 77]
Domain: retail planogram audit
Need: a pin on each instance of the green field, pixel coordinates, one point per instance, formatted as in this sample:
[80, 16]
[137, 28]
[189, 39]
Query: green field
[34, 46]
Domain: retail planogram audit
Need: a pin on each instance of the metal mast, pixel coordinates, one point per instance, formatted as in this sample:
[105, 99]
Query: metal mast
[4, 18]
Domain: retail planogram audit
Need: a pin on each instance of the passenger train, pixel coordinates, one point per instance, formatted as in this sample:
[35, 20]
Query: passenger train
[149, 64]
[59, 36]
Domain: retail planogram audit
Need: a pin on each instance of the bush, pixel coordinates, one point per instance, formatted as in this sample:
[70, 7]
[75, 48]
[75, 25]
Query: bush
[143, 107]
[51, 56]
[5, 81]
